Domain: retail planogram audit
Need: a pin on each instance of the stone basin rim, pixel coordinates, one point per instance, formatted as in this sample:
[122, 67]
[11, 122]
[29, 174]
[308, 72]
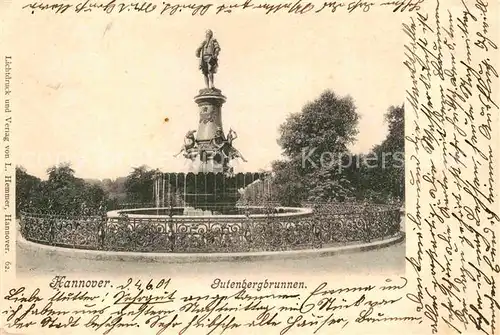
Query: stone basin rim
[297, 212]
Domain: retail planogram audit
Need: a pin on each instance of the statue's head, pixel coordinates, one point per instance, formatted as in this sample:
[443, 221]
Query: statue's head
[209, 34]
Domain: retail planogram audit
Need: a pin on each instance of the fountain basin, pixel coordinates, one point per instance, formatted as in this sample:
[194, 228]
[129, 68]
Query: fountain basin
[179, 213]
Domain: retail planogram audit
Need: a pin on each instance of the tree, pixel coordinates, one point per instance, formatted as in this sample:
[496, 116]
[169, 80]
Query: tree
[61, 194]
[329, 184]
[386, 179]
[395, 118]
[315, 143]
[62, 189]
[62, 175]
[289, 187]
[139, 184]
[326, 125]
[28, 187]
[65, 194]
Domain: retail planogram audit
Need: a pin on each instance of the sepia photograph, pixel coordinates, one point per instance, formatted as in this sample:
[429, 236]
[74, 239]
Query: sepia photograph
[250, 167]
[220, 144]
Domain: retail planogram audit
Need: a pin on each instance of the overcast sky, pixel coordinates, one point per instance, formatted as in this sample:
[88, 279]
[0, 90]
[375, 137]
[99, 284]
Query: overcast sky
[95, 90]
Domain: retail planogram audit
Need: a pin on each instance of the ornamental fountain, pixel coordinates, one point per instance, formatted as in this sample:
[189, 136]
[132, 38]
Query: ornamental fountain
[202, 211]
[210, 148]
[212, 186]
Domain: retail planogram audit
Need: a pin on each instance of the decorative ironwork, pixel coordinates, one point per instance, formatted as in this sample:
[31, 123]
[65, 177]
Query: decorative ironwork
[82, 232]
[326, 226]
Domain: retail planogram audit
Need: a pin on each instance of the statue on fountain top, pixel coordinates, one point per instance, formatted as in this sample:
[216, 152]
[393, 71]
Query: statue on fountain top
[210, 145]
[208, 53]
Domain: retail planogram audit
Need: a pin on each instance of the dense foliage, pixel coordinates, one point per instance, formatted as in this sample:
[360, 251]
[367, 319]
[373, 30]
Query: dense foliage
[61, 194]
[139, 184]
[328, 124]
[318, 166]
[315, 143]
[386, 180]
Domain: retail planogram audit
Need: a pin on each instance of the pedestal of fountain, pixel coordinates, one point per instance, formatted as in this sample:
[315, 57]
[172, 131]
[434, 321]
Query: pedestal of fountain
[208, 147]
[213, 155]
[209, 102]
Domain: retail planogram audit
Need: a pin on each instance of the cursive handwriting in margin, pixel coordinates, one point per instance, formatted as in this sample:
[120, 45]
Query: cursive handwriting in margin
[453, 143]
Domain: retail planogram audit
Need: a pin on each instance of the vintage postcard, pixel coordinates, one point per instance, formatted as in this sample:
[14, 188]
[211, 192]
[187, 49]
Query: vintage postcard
[250, 167]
